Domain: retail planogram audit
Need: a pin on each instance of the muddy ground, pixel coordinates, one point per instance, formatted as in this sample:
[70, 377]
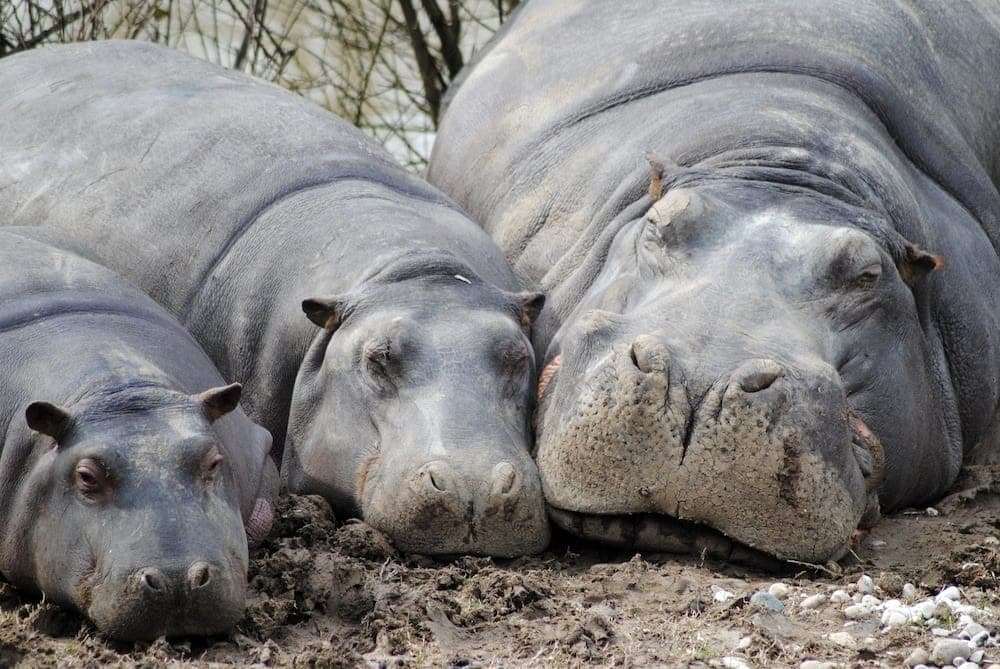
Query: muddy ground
[329, 594]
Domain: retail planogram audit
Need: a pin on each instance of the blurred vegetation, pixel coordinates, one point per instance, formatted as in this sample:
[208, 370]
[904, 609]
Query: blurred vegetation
[382, 64]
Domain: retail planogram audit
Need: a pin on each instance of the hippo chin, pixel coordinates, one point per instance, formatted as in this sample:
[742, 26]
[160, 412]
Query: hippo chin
[747, 346]
[403, 393]
[128, 491]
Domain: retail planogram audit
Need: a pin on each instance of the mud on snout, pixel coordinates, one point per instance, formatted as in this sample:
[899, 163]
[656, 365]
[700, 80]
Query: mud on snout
[769, 455]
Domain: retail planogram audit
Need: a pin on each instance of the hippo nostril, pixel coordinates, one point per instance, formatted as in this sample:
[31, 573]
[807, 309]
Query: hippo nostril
[504, 479]
[648, 354]
[152, 579]
[434, 482]
[760, 380]
[199, 575]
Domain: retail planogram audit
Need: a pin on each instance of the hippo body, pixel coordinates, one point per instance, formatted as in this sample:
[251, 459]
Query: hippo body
[402, 394]
[125, 492]
[768, 235]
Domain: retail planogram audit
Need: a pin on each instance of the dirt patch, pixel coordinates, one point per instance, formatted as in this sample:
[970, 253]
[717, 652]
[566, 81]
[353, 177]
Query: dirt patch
[328, 594]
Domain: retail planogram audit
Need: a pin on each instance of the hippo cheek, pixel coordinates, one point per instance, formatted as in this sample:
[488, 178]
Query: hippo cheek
[760, 457]
[435, 509]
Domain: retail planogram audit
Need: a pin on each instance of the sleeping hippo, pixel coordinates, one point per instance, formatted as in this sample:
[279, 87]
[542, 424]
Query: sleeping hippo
[768, 233]
[379, 334]
[130, 482]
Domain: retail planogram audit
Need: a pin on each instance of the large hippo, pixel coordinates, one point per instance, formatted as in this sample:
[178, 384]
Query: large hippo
[768, 234]
[130, 481]
[403, 392]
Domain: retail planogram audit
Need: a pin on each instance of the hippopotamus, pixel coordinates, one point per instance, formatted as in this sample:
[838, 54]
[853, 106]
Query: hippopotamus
[768, 235]
[130, 480]
[379, 333]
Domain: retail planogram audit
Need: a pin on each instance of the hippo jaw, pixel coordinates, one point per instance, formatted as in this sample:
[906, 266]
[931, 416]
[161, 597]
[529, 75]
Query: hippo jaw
[732, 366]
[411, 411]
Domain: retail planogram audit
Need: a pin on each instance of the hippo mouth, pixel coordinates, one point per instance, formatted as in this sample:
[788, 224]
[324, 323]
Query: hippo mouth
[661, 530]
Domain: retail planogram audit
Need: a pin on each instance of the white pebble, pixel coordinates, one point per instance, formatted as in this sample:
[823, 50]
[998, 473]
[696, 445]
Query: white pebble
[894, 618]
[779, 590]
[919, 657]
[840, 596]
[968, 665]
[946, 651]
[892, 604]
[813, 602]
[925, 608]
[816, 664]
[940, 631]
[856, 611]
[744, 643]
[869, 600]
[721, 595]
[980, 639]
[866, 585]
[978, 656]
[734, 663]
[972, 630]
[931, 511]
[951, 592]
[845, 639]
[909, 592]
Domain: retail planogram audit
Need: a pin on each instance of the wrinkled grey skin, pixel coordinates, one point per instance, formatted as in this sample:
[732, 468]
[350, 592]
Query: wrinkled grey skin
[750, 337]
[126, 492]
[403, 393]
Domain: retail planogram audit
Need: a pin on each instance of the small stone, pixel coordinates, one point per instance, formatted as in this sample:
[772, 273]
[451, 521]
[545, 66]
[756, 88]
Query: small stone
[866, 585]
[940, 631]
[840, 596]
[978, 656]
[734, 663]
[890, 583]
[813, 602]
[779, 590]
[931, 511]
[744, 643]
[909, 592]
[951, 592]
[942, 610]
[816, 664]
[917, 657]
[766, 600]
[894, 618]
[721, 595]
[980, 639]
[971, 630]
[968, 665]
[946, 651]
[870, 601]
[845, 639]
[856, 612]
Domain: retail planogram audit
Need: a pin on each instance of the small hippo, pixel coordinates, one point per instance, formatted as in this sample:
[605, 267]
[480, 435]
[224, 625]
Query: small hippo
[754, 331]
[403, 393]
[130, 481]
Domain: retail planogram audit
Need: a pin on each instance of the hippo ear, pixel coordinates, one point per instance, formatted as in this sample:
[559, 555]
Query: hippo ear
[531, 305]
[917, 263]
[220, 401]
[49, 419]
[326, 312]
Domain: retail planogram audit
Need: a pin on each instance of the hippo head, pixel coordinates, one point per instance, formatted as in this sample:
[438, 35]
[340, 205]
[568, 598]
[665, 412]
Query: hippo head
[747, 359]
[412, 409]
[132, 513]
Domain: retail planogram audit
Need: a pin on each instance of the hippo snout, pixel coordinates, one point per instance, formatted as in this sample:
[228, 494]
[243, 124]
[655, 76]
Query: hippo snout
[748, 446]
[201, 596]
[498, 511]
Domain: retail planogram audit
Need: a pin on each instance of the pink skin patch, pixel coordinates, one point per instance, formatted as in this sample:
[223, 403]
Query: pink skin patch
[259, 525]
[546, 376]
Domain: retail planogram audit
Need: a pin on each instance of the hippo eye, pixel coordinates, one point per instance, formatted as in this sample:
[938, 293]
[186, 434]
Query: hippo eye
[378, 359]
[89, 476]
[213, 464]
[869, 276]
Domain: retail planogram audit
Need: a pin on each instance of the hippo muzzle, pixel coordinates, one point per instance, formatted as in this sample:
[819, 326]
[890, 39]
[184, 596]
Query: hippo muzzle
[764, 447]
